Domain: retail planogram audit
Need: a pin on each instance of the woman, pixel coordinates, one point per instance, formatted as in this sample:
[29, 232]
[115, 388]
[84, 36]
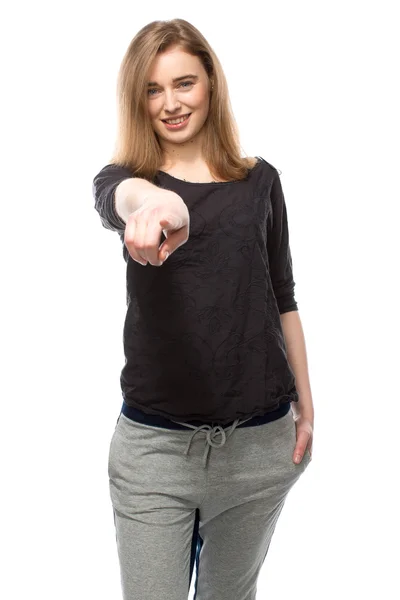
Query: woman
[217, 418]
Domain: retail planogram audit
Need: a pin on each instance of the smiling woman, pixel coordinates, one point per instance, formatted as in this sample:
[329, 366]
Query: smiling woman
[181, 105]
[202, 456]
[181, 95]
[165, 75]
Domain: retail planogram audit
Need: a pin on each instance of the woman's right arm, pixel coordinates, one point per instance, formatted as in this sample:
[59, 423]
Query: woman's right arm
[117, 193]
[141, 212]
[130, 195]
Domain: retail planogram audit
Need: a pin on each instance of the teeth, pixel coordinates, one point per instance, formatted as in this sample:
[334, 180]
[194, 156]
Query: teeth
[175, 121]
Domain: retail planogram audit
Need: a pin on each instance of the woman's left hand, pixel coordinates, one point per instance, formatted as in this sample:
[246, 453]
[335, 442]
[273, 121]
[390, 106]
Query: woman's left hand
[304, 437]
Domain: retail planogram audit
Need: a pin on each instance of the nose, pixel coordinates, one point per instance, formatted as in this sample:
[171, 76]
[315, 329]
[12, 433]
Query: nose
[171, 103]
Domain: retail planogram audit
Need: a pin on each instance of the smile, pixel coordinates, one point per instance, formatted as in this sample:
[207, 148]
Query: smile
[177, 123]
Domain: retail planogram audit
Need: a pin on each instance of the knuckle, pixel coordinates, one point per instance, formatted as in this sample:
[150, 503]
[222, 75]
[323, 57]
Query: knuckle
[147, 246]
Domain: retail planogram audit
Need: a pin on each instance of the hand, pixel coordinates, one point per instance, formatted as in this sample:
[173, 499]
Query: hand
[162, 211]
[304, 437]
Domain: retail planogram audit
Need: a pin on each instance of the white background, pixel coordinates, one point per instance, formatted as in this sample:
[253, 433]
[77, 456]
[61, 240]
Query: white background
[314, 90]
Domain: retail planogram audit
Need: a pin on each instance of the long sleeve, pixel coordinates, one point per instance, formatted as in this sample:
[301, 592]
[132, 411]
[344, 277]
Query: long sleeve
[103, 188]
[279, 255]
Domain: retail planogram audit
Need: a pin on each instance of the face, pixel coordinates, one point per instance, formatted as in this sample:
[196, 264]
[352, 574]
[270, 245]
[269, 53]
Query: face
[169, 99]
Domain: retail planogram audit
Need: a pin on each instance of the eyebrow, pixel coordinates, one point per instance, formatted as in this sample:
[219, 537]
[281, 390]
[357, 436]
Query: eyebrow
[176, 79]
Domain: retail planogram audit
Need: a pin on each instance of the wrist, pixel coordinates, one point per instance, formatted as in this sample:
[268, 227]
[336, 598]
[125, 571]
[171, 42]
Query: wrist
[130, 195]
[303, 408]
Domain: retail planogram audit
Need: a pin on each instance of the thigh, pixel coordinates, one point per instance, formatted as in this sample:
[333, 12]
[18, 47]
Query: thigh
[247, 488]
[233, 547]
[154, 551]
[154, 504]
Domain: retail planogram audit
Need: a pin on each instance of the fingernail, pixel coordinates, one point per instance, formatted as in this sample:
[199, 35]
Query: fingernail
[297, 458]
[166, 256]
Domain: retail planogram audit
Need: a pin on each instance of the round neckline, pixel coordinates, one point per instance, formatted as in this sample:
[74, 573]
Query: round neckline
[208, 182]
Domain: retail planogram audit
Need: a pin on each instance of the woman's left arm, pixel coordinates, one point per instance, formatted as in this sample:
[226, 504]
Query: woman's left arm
[281, 273]
[297, 357]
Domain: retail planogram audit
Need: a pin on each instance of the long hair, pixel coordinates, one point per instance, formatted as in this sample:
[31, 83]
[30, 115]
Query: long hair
[137, 146]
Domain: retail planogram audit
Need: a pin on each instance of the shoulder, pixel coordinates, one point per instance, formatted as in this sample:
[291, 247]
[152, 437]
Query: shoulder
[110, 174]
[265, 176]
[116, 169]
[267, 167]
[251, 161]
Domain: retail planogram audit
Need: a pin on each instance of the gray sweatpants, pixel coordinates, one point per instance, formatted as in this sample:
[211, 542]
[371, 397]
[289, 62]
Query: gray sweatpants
[183, 496]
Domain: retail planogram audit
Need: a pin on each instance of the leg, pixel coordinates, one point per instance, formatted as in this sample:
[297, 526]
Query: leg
[249, 479]
[154, 494]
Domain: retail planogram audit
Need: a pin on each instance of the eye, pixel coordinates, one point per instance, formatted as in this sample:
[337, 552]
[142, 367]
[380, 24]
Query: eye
[185, 84]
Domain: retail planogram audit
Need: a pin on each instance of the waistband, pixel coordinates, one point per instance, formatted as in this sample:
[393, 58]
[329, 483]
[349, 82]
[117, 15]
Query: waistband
[211, 430]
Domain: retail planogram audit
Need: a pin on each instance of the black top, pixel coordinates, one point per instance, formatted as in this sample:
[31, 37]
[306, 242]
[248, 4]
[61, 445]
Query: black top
[203, 339]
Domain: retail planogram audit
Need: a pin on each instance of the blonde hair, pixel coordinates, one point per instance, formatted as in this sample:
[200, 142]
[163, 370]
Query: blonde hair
[137, 146]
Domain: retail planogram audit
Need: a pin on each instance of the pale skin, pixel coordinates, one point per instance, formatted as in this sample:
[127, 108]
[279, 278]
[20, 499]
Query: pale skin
[182, 158]
[303, 410]
[168, 99]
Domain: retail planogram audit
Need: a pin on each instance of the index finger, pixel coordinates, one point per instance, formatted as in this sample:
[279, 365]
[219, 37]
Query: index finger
[152, 241]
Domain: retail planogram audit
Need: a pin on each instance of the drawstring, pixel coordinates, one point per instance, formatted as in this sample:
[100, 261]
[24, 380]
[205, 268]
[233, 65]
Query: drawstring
[211, 436]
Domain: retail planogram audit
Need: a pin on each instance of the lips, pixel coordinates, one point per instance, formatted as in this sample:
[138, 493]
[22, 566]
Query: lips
[178, 117]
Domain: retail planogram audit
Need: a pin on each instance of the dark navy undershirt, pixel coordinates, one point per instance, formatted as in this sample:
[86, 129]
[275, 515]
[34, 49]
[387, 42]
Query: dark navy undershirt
[158, 421]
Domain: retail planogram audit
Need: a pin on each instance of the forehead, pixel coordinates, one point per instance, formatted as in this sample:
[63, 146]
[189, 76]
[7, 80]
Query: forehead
[172, 63]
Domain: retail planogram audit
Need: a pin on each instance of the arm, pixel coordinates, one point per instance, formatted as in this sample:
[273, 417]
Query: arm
[297, 357]
[281, 272]
[279, 255]
[117, 193]
[130, 195]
